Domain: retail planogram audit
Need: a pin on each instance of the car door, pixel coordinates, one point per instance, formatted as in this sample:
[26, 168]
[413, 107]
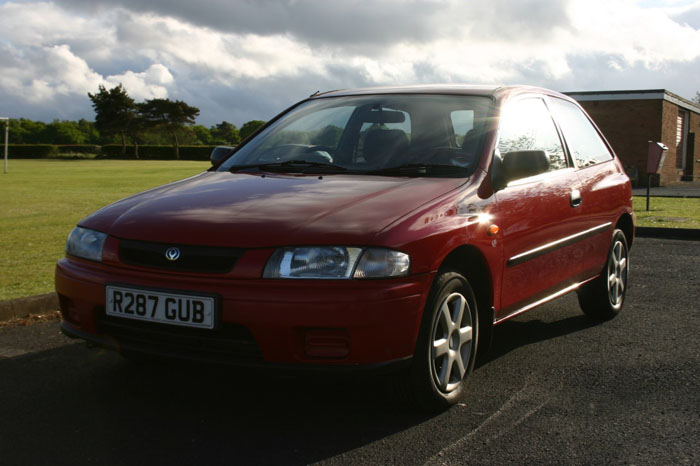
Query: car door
[539, 216]
[604, 185]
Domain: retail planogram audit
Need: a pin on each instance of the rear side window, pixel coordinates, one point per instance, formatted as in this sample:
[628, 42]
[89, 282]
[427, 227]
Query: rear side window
[585, 145]
[527, 125]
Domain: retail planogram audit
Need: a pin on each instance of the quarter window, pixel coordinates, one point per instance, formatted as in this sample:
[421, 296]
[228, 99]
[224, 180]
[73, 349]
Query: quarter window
[527, 125]
[585, 145]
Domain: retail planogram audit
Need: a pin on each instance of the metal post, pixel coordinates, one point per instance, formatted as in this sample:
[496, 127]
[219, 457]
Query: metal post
[655, 161]
[648, 187]
[7, 128]
[7, 131]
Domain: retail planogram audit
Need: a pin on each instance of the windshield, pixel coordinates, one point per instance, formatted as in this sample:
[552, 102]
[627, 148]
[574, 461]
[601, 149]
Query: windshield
[393, 135]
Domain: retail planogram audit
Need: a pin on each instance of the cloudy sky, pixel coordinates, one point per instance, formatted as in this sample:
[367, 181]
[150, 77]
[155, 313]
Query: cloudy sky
[248, 59]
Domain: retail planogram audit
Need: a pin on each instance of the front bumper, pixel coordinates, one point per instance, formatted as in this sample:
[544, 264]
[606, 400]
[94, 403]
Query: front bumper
[368, 323]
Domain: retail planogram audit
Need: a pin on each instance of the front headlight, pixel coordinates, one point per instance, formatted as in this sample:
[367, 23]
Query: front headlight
[336, 262]
[380, 262]
[85, 243]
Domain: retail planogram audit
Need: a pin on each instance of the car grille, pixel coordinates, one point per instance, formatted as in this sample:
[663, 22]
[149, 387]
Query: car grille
[205, 259]
[229, 343]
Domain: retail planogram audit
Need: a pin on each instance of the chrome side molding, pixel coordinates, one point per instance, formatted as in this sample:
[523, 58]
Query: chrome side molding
[560, 243]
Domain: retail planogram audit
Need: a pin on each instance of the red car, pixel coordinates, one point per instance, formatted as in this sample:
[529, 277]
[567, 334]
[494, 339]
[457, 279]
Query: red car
[364, 229]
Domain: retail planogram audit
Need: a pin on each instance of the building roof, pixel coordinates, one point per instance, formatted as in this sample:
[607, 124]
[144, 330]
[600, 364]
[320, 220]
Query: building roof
[643, 94]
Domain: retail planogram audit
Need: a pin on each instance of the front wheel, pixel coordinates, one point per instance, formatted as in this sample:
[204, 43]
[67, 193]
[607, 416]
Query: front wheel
[446, 348]
[602, 298]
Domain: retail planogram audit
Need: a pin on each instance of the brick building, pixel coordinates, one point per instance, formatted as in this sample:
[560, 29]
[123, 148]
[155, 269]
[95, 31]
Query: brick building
[629, 119]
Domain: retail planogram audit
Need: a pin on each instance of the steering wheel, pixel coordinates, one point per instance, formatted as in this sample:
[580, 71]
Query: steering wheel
[321, 154]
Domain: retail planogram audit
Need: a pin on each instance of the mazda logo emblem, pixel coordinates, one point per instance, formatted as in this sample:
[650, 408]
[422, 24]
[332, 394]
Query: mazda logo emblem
[172, 254]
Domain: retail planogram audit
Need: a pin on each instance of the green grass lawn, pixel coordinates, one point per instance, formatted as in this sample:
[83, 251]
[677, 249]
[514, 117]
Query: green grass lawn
[42, 200]
[667, 212]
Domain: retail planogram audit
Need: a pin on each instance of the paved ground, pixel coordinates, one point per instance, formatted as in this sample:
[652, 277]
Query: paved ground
[678, 190]
[556, 390]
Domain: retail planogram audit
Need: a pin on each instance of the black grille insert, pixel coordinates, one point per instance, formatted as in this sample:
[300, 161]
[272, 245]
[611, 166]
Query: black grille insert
[228, 343]
[206, 259]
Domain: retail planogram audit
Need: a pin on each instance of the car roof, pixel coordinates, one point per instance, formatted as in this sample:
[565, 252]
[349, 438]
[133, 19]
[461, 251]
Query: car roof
[495, 91]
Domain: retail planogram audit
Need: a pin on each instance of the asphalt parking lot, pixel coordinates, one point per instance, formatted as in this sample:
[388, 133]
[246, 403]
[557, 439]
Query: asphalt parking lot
[556, 389]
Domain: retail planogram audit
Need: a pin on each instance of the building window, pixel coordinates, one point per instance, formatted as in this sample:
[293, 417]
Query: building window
[680, 139]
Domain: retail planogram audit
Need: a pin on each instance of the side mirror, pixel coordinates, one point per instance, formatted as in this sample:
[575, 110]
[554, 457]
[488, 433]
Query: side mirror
[520, 164]
[219, 154]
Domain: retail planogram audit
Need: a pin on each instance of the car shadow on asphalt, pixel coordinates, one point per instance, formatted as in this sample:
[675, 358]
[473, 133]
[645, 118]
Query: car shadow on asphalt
[92, 405]
[516, 333]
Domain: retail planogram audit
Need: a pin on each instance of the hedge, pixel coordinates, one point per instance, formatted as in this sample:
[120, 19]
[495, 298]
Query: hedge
[78, 149]
[31, 151]
[111, 151]
[146, 152]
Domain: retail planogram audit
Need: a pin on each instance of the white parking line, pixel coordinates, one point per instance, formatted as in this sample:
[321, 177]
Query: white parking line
[520, 406]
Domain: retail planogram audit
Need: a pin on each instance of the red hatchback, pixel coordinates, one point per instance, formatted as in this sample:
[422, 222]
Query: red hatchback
[362, 229]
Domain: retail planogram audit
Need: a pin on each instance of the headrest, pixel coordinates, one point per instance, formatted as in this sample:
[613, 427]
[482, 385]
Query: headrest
[382, 144]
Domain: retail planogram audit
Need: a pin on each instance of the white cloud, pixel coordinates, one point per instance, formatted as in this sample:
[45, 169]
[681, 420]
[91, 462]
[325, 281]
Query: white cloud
[201, 50]
[38, 73]
[204, 52]
[41, 73]
[44, 23]
[149, 84]
[637, 35]
[688, 14]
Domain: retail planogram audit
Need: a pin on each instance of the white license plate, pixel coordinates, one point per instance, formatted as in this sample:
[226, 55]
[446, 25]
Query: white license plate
[158, 306]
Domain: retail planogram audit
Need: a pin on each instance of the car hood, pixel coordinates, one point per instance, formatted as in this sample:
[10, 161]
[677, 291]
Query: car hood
[254, 210]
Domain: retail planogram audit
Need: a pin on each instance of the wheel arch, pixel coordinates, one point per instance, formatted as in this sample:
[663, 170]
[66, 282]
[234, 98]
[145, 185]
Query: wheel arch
[626, 224]
[470, 262]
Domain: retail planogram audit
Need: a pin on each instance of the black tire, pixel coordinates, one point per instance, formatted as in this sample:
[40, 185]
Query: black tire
[437, 381]
[603, 298]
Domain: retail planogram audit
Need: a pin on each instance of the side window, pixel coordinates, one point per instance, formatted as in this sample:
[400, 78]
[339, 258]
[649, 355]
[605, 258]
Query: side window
[584, 143]
[527, 125]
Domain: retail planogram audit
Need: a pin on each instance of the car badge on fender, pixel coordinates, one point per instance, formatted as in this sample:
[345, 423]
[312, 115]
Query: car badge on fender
[172, 254]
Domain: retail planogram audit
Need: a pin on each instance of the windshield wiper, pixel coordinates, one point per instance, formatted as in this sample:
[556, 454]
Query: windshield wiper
[296, 165]
[422, 169]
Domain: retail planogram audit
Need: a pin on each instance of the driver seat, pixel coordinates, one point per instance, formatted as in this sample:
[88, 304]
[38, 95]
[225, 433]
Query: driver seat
[382, 145]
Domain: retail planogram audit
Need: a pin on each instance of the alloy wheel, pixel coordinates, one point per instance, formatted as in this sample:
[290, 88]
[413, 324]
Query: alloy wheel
[617, 273]
[452, 342]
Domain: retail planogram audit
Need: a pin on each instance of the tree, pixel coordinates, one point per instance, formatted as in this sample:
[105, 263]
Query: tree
[169, 115]
[114, 110]
[250, 127]
[225, 133]
[202, 134]
[696, 99]
[137, 128]
[64, 132]
[23, 131]
[92, 136]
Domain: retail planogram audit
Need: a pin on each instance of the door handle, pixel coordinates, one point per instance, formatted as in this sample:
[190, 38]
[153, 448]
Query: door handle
[575, 198]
